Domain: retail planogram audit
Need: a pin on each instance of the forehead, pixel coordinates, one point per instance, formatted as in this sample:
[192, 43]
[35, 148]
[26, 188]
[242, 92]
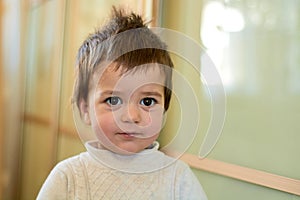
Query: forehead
[118, 78]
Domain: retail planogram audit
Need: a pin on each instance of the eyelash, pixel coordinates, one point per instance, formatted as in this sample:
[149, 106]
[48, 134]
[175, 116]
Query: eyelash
[153, 101]
[114, 101]
[109, 101]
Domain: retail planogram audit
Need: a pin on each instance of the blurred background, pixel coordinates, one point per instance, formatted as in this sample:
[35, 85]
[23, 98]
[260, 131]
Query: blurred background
[253, 43]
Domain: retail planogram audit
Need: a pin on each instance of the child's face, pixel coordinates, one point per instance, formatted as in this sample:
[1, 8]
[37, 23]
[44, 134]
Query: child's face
[126, 110]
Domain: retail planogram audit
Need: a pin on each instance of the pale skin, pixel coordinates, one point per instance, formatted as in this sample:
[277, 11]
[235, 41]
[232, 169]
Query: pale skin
[126, 110]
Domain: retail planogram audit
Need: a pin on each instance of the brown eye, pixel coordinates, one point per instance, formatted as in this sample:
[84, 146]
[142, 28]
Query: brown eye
[148, 102]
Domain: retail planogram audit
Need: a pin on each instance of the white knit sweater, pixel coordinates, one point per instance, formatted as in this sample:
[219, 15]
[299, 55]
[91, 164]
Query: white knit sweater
[101, 174]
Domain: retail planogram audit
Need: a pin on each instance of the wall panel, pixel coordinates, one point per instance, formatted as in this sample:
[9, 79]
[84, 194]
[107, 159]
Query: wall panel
[261, 126]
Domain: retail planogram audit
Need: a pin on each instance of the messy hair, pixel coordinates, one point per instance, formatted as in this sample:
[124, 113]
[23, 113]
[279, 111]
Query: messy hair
[127, 42]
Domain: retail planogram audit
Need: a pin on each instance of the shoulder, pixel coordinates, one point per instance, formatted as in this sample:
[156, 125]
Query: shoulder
[71, 163]
[186, 183]
[65, 168]
[62, 178]
[175, 163]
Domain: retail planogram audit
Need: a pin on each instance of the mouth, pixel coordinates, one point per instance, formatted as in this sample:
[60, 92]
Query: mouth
[127, 135]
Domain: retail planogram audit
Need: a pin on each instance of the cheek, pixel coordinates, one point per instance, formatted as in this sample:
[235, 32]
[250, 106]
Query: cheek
[104, 123]
[154, 122]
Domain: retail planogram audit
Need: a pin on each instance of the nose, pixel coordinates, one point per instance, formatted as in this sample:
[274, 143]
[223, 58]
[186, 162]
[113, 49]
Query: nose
[131, 114]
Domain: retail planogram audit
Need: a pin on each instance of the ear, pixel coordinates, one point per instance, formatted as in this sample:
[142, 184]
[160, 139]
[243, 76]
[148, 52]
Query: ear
[84, 112]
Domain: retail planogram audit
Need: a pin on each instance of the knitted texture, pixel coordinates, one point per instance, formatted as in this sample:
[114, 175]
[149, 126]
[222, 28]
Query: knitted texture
[83, 177]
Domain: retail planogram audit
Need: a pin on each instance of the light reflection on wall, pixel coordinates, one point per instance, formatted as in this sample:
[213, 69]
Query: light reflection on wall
[217, 23]
[246, 39]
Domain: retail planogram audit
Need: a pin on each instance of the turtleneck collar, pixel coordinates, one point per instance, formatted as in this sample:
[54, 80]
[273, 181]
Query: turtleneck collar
[148, 160]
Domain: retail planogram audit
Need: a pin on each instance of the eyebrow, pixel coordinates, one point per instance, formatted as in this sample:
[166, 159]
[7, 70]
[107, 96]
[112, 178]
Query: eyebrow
[118, 93]
[108, 92]
[157, 94]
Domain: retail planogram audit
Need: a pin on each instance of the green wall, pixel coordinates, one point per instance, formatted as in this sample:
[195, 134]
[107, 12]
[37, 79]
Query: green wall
[261, 129]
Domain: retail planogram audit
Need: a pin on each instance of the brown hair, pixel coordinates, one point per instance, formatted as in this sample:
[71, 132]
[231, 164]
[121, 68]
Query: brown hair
[128, 42]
